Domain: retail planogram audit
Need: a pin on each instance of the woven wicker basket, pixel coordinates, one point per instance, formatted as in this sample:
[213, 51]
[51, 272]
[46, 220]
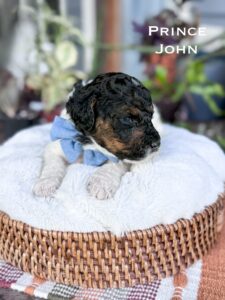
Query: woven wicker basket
[101, 260]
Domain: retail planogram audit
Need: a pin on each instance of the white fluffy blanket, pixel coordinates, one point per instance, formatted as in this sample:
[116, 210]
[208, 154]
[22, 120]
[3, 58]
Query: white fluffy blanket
[187, 175]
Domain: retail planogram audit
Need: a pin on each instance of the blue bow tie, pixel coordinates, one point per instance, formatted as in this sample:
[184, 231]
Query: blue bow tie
[66, 132]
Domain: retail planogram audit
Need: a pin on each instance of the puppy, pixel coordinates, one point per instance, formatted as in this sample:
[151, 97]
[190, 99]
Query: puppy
[114, 117]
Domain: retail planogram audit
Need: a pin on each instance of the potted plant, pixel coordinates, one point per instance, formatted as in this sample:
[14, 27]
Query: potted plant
[193, 83]
[50, 75]
[53, 61]
[204, 82]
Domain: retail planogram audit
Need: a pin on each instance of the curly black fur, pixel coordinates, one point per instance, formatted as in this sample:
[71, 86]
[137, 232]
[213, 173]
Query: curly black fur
[115, 109]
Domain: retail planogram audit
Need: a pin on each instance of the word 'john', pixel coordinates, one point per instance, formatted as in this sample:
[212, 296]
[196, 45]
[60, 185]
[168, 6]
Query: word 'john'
[177, 49]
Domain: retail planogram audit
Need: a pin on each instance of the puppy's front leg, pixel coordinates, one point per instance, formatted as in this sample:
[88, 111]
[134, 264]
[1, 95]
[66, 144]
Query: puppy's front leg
[105, 181]
[53, 170]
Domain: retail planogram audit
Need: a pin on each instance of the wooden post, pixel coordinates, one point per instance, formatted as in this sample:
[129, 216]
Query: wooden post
[111, 33]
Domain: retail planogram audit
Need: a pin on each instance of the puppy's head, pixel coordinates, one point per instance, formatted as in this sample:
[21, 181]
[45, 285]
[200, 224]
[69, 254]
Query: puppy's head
[115, 112]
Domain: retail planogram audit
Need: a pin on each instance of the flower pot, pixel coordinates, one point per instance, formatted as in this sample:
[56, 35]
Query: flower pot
[195, 107]
[198, 110]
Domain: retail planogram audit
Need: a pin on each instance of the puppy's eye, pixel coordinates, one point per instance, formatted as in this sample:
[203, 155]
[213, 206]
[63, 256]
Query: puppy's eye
[128, 121]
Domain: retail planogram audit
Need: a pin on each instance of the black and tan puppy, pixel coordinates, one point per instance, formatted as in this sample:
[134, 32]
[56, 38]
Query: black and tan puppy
[113, 114]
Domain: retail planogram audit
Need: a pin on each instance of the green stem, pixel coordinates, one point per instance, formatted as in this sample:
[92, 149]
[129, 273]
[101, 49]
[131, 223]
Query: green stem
[146, 48]
[120, 47]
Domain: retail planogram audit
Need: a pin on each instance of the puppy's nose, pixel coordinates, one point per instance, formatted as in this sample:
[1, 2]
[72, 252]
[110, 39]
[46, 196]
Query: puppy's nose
[155, 144]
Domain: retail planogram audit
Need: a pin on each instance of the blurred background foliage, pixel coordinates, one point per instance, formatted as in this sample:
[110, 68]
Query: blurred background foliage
[52, 69]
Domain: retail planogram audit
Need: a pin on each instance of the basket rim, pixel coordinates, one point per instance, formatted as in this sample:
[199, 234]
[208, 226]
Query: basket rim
[104, 260]
[181, 222]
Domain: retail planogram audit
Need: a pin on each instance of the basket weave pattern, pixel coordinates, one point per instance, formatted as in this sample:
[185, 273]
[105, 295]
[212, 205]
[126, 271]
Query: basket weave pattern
[101, 260]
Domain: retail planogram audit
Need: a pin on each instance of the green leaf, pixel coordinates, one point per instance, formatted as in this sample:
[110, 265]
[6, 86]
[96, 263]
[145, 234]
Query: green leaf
[221, 141]
[213, 106]
[62, 21]
[207, 93]
[161, 74]
[34, 81]
[179, 92]
[218, 90]
[197, 89]
[195, 73]
[69, 81]
[148, 83]
[66, 54]
[51, 96]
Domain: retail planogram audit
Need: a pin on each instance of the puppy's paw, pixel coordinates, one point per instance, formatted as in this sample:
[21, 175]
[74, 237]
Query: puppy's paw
[101, 187]
[45, 187]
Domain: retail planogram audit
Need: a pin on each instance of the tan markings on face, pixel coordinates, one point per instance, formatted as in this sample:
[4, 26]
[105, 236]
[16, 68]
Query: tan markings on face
[134, 111]
[105, 135]
[136, 138]
[137, 134]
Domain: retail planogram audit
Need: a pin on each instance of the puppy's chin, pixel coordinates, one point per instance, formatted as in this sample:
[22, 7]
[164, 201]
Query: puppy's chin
[150, 154]
[148, 157]
[95, 146]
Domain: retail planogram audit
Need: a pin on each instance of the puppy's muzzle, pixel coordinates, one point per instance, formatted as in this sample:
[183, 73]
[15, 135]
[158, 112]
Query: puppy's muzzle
[145, 154]
[155, 146]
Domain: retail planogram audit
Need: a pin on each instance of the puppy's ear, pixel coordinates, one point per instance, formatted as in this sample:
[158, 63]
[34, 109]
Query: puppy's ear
[80, 107]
